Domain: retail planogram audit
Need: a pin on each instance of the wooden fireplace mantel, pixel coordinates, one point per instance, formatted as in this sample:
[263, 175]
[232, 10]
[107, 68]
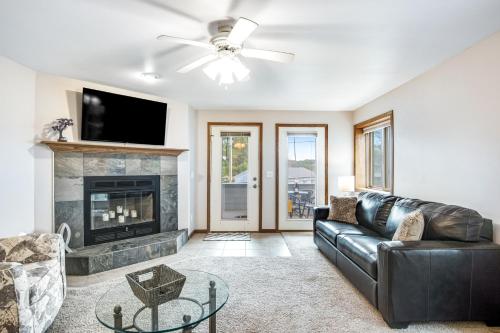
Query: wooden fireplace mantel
[97, 148]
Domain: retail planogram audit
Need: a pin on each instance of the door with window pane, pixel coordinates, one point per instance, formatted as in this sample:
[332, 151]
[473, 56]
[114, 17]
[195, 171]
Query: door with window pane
[301, 172]
[234, 192]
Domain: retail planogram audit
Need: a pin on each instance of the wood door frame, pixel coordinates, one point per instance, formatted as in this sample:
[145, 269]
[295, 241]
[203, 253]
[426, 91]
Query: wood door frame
[276, 155]
[357, 131]
[209, 163]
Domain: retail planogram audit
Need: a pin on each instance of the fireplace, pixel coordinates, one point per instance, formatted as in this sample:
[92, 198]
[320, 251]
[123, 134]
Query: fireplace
[120, 207]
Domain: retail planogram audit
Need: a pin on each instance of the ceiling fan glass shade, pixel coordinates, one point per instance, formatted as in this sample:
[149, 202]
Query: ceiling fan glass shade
[277, 56]
[241, 30]
[227, 70]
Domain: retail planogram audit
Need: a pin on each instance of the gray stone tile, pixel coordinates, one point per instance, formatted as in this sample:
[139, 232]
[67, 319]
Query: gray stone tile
[77, 266]
[70, 212]
[120, 258]
[133, 165]
[103, 164]
[168, 248]
[68, 188]
[148, 252]
[168, 203]
[150, 165]
[168, 183]
[168, 222]
[101, 263]
[132, 256]
[168, 166]
[68, 164]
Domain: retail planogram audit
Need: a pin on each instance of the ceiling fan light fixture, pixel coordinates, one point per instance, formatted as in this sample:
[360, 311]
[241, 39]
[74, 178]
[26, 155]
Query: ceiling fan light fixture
[227, 69]
[150, 76]
[239, 70]
[212, 70]
[226, 78]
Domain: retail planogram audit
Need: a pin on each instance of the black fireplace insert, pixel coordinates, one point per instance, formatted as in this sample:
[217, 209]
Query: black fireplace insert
[120, 207]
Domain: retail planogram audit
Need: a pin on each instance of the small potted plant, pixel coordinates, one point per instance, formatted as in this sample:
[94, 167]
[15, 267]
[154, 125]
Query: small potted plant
[60, 125]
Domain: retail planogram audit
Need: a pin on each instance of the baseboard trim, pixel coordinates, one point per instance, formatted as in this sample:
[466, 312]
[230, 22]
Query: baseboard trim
[292, 230]
[268, 230]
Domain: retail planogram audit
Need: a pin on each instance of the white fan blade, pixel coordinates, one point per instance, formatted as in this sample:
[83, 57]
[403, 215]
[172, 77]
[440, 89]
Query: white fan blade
[197, 63]
[277, 56]
[185, 41]
[241, 30]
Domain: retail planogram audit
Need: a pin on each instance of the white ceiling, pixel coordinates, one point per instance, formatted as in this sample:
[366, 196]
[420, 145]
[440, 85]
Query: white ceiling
[348, 52]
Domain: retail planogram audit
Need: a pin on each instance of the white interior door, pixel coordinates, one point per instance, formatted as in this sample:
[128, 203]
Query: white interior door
[234, 181]
[301, 175]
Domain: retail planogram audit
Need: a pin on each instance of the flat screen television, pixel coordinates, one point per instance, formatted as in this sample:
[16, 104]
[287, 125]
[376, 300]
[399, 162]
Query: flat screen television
[118, 118]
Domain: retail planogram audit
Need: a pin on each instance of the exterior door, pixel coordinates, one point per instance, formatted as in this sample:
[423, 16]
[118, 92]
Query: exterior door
[302, 181]
[234, 178]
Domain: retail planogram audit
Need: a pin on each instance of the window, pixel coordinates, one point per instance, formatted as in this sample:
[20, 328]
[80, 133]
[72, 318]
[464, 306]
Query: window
[373, 153]
[301, 174]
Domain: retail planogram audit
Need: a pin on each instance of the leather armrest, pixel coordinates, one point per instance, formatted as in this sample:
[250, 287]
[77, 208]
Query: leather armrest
[320, 213]
[438, 280]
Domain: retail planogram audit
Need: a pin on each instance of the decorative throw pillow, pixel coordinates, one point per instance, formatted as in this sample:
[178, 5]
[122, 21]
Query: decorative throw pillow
[411, 228]
[343, 209]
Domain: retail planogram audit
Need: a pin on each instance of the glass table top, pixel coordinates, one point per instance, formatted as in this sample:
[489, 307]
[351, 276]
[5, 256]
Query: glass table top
[191, 308]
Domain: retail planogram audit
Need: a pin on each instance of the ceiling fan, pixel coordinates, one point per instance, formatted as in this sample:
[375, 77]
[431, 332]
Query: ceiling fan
[226, 46]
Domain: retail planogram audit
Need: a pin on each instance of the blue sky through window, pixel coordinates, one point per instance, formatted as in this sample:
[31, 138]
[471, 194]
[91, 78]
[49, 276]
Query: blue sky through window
[301, 147]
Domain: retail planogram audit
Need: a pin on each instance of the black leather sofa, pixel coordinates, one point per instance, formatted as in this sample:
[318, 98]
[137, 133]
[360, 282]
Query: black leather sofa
[452, 274]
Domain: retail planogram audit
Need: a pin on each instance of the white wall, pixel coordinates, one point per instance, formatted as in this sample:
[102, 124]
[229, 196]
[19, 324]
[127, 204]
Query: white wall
[58, 97]
[186, 172]
[17, 107]
[340, 151]
[447, 137]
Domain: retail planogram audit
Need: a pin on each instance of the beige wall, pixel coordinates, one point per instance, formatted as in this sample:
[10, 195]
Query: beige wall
[340, 151]
[58, 97]
[17, 111]
[447, 137]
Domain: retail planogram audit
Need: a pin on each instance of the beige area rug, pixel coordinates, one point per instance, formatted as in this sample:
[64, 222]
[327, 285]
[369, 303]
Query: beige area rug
[302, 293]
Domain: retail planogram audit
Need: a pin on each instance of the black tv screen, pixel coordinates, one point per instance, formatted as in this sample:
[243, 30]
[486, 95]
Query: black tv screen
[118, 118]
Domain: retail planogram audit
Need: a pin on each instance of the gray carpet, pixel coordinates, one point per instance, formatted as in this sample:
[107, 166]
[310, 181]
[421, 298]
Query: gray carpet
[302, 293]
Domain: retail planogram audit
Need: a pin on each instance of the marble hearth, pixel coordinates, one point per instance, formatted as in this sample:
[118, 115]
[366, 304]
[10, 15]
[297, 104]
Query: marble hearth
[103, 257]
[71, 167]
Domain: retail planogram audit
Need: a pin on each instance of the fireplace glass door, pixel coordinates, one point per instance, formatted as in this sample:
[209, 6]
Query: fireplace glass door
[120, 207]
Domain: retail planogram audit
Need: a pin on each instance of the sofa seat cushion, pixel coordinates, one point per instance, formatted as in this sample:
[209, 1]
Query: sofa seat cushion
[362, 250]
[331, 229]
[42, 276]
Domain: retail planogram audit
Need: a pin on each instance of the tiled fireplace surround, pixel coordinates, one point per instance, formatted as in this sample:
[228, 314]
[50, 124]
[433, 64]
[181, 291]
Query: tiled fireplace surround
[71, 167]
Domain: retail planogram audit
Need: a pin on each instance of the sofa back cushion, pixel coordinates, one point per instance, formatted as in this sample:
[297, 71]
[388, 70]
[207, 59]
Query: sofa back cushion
[442, 222]
[373, 209]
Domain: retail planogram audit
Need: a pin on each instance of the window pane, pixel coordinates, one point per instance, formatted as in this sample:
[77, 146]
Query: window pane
[301, 175]
[234, 177]
[377, 160]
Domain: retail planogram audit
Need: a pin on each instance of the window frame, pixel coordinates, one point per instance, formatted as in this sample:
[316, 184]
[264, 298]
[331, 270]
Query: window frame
[363, 154]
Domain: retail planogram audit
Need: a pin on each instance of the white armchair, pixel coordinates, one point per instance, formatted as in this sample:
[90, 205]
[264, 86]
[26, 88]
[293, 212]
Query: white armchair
[32, 282]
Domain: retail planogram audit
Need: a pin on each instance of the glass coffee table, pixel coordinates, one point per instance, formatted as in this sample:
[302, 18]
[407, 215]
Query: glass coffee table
[202, 296]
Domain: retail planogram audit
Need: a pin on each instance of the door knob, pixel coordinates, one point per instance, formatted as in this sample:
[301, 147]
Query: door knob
[254, 186]
[255, 178]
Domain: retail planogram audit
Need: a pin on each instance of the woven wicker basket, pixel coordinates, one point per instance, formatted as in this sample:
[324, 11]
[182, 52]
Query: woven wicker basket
[156, 285]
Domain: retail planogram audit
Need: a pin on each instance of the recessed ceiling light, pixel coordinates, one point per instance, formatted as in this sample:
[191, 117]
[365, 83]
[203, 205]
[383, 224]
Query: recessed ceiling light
[151, 76]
